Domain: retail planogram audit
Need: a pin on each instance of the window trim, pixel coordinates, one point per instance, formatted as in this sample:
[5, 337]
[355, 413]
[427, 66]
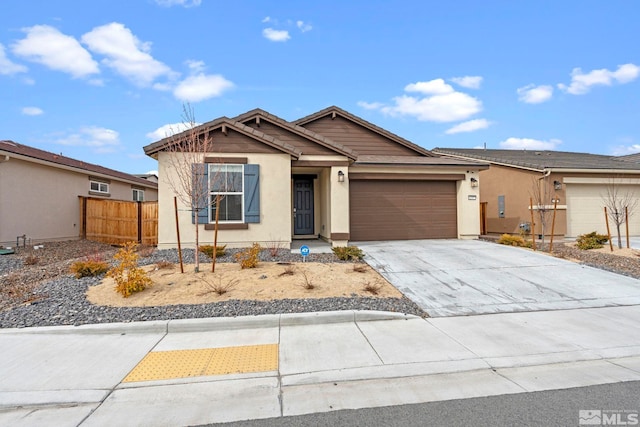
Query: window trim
[140, 191]
[211, 193]
[99, 184]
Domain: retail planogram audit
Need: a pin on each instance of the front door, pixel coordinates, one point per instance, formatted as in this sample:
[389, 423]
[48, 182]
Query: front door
[303, 206]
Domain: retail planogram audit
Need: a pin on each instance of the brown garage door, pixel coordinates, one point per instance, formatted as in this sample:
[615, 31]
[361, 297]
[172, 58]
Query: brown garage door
[400, 210]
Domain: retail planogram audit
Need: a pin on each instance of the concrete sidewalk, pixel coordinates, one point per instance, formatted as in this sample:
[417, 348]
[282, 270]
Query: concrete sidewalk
[145, 374]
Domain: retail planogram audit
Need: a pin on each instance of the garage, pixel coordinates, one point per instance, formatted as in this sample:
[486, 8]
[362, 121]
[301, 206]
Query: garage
[585, 209]
[402, 209]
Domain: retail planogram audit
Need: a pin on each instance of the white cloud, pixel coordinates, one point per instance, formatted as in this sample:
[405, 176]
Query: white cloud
[470, 82]
[195, 66]
[169, 129]
[266, 19]
[154, 172]
[304, 27]
[529, 144]
[32, 111]
[470, 126]
[201, 86]
[276, 35]
[7, 67]
[183, 3]
[581, 83]
[101, 140]
[439, 103]
[48, 46]
[432, 87]
[532, 94]
[126, 54]
[628, 146]
[370, 105]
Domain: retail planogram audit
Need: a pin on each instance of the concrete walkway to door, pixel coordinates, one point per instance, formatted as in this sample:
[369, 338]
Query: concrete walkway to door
[460, 277]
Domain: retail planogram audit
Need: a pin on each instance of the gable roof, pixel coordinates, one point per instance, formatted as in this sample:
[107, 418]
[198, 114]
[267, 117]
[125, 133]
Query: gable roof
[298, 130]
[154, 148]
[333, 110]
[26, 152]
[541, 160]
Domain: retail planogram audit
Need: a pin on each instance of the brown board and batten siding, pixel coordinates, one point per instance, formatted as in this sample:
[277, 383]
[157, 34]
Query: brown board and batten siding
[236, 142]
[300, 143]
[358, 138]
[400, 210]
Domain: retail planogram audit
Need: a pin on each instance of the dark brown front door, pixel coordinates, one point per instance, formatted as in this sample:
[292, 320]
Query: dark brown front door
[402, 210]
[303, 206]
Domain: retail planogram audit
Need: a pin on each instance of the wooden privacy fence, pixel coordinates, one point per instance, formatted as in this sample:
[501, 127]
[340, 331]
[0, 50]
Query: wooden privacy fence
[118, 221]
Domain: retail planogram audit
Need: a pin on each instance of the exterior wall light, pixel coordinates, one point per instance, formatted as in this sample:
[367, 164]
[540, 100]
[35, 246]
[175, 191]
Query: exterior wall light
[474, 182]
[340, 176]
[557, 185]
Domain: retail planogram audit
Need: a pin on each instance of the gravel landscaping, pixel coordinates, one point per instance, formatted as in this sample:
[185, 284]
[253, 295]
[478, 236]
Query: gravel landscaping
[45, 294]
[36, 288]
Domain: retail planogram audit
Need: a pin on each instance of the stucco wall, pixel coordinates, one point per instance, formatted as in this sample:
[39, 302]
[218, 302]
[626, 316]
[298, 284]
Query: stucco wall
[517, 186]
[275, 206]
[42, 201]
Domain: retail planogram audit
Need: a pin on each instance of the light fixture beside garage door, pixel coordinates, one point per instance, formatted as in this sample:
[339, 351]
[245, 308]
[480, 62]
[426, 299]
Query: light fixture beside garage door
[340, 176]
[473, 182]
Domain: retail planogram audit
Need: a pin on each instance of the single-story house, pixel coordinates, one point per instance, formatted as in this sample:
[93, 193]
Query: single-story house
[578, 181]
[330, 175]
[39, 192]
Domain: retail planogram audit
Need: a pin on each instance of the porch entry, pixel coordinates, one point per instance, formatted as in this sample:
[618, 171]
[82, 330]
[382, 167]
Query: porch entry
[303, 206]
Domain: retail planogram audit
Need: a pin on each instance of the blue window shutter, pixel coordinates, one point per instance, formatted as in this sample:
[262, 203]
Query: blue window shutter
[200, 175]
[251, 193]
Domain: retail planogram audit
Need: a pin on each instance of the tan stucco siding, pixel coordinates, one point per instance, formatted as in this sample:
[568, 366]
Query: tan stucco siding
[275, 206]
[41, 201]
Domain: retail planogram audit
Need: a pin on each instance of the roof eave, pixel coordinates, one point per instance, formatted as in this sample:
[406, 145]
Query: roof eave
[10, 154]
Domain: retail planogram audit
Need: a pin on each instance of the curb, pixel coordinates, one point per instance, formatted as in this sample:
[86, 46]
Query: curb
[216, 323]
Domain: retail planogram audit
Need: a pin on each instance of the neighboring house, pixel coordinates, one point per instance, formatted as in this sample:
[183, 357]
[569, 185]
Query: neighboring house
[39, 192]
[579, 181]
[148, 176]
[330, 175]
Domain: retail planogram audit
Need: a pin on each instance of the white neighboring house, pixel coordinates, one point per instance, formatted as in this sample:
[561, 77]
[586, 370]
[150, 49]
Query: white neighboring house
[39, 192]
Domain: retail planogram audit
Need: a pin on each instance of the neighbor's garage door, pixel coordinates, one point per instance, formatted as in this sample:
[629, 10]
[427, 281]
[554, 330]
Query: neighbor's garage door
[399, 210]
[585, 210]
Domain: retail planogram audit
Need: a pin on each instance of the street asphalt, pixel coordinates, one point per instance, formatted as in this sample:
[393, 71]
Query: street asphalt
[142, 374]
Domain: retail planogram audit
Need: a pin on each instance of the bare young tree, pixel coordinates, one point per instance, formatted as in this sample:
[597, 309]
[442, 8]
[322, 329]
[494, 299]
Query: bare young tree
[621, 202]
[542, 194]
[186, 151]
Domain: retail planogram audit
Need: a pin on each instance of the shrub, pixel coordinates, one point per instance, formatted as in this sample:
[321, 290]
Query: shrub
[591, 240]
[359, 268]
[510, 240]
[346, 253]
[219, 287]
[248, 258]
[372, 288]
[289, 270]
[128, 276]
[208, 250]
[307, 282]
[164, 265]
[31, 260]
[89, 268]
[274, 246]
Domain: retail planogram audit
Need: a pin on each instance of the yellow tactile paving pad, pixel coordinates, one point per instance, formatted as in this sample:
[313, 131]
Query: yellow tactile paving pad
[166, 365]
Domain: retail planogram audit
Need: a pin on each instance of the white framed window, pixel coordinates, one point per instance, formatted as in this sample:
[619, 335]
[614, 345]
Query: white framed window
[99, 187]
[138, 195]
[226, 180]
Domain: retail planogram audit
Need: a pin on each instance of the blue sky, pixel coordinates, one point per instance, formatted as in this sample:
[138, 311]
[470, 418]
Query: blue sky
[98, 80]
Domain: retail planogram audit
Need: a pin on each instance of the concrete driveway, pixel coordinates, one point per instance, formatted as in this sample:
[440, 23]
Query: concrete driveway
[461, 277]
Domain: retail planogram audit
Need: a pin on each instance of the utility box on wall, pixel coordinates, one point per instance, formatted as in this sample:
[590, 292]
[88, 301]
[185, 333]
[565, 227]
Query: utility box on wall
[500, 206]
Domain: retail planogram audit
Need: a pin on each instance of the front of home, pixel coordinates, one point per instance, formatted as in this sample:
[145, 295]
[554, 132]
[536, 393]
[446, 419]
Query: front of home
[578, 184]
[40, 193]
[330, 175]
